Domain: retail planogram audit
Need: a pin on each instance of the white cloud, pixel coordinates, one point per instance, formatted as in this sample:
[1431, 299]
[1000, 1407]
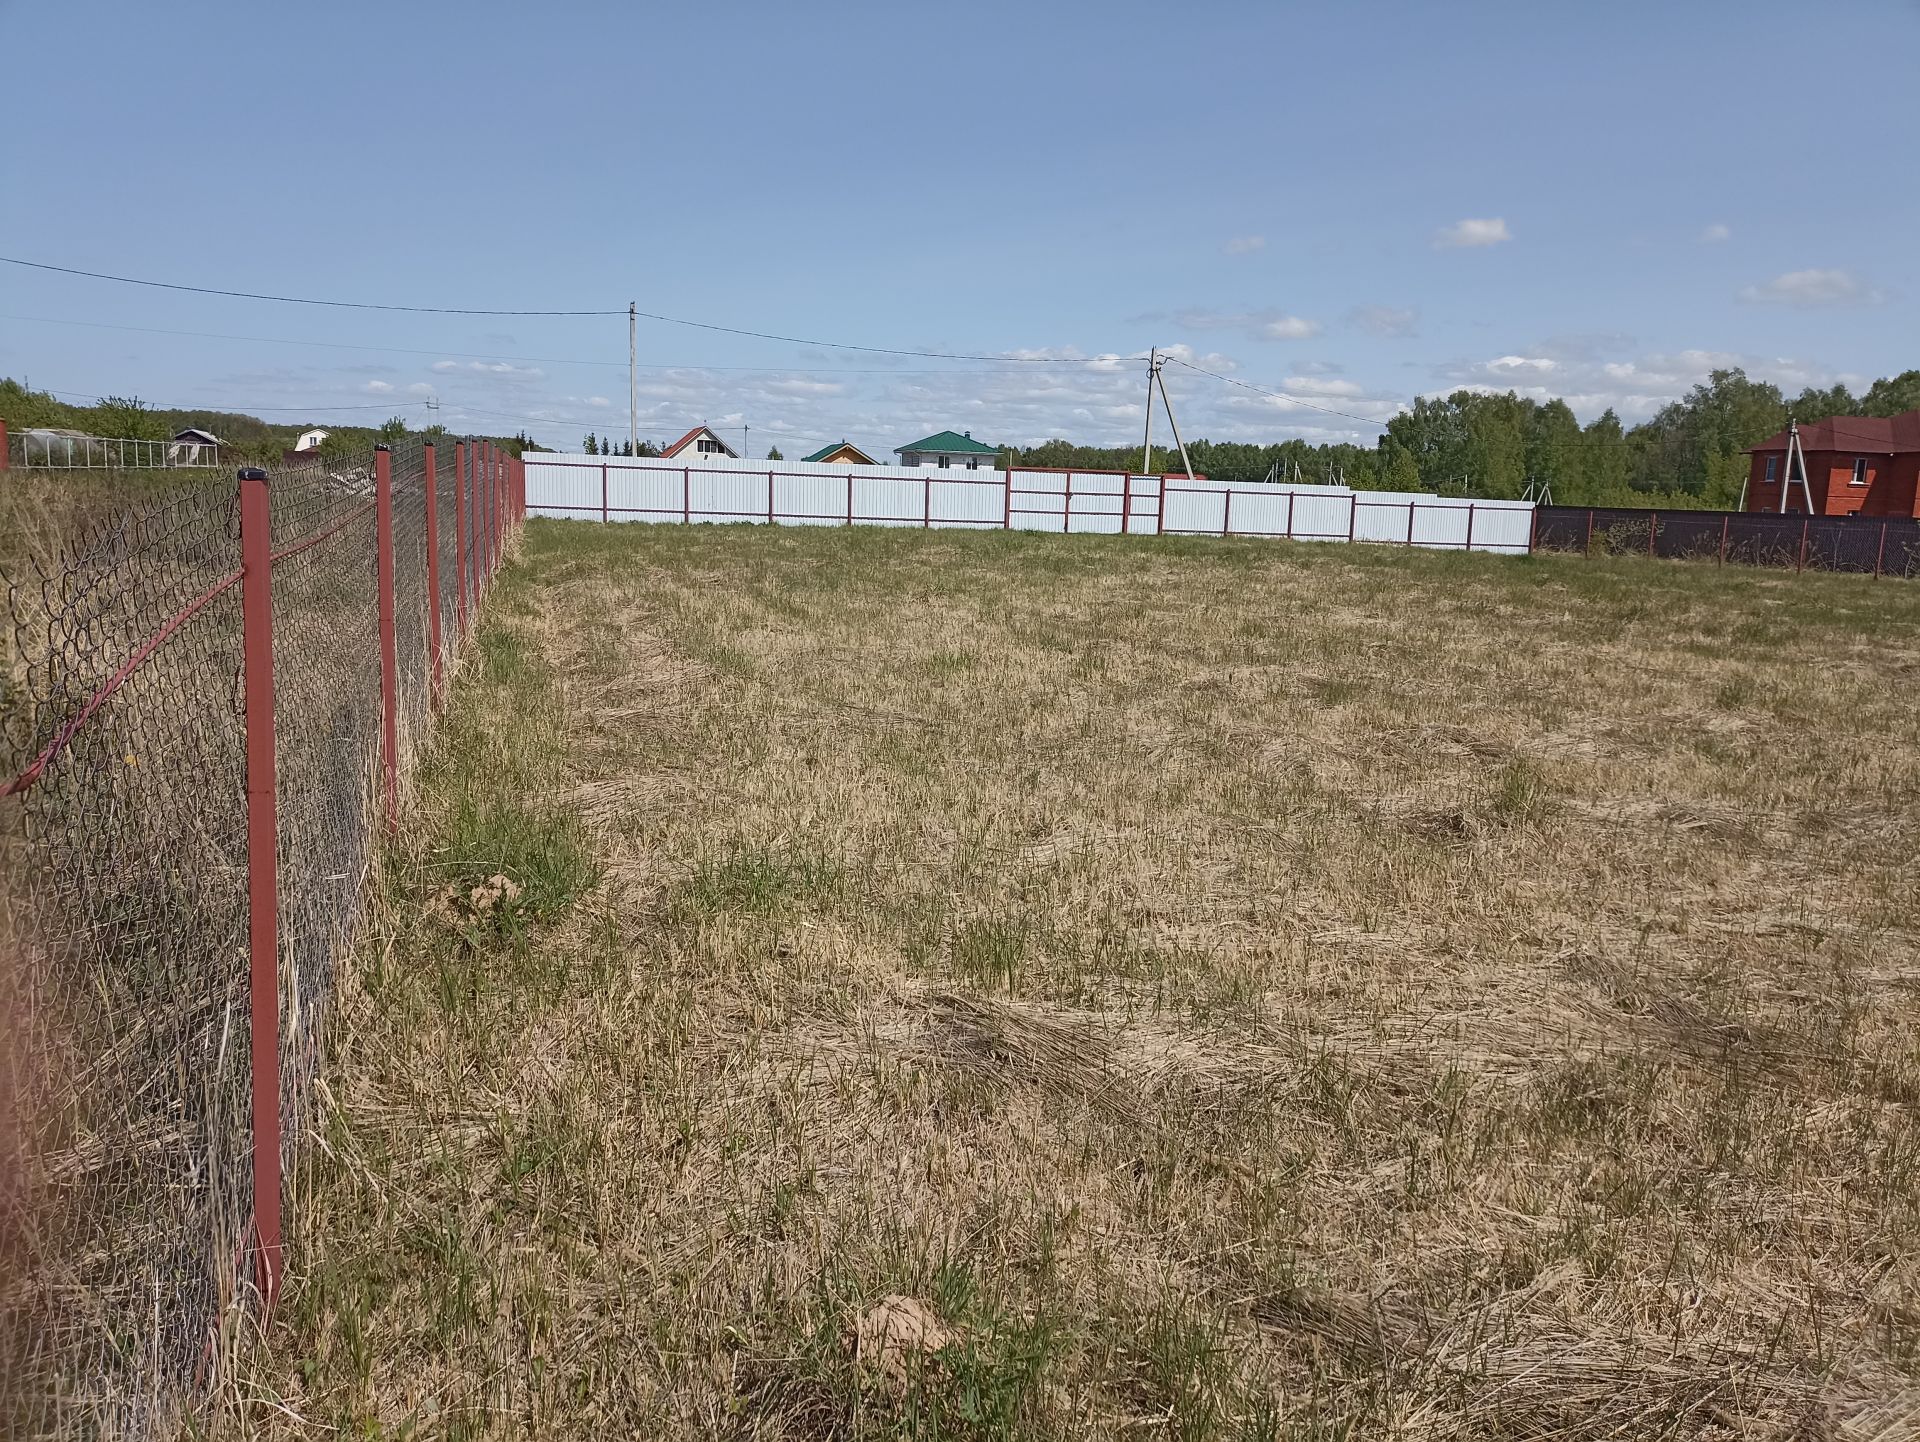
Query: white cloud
[1386, 321]
[1467, 233]
[1257, 324]
[421, 388]
[1288, 327]
[378, 388]
[801, 386]
[1315, 387]
[501, 369]
[598, 401]
[1714, 234]
[1245, 244]
[1634, 389]
[1813, 288]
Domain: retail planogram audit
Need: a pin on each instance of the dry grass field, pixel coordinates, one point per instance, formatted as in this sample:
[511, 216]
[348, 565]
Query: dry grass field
[1012, 986]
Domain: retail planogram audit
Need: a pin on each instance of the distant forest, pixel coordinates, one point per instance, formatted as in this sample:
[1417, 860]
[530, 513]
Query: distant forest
[1467, 443]
[248, 439]
[1690, 454]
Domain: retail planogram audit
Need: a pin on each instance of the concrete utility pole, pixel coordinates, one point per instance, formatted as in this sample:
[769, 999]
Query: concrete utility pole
[633, 378]
[1146, 446]
[1173, 425]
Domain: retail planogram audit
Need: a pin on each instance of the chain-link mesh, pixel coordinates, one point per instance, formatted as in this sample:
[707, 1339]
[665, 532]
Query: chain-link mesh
[1875, 545]
[126, 706]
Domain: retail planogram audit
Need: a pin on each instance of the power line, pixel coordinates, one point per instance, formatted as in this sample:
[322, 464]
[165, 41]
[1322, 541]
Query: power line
[239, 409]
[472, 310]
[480, 356]
[292, 299]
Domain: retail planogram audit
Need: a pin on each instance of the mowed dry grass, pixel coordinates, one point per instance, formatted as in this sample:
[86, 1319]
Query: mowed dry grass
[1238, 989]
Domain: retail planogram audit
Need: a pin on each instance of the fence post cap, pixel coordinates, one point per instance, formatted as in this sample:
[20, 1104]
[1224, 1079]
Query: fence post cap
[381, 446]
[252, 473]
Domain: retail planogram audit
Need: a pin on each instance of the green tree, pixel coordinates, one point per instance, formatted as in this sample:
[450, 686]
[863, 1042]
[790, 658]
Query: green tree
[127, 418]
[393, 428]
[1813, 404]
[773, 454]
[1399, 471]
[590, 445]
[1892, 395]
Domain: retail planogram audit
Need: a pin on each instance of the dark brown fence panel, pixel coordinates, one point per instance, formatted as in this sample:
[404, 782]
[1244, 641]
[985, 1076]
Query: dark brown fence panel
[1868, 545]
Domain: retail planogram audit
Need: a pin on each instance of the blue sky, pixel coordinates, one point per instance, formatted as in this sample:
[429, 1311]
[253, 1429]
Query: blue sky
[1344, 205]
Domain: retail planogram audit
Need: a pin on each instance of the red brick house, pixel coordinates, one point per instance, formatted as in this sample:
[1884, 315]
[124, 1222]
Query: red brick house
[1856, 466]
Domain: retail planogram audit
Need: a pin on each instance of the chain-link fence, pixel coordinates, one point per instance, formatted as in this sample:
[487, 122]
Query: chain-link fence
[215, 699]
[1871, 545]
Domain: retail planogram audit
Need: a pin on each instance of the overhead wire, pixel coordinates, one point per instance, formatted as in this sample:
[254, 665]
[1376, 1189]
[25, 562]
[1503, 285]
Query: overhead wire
[608, 363]
[476, 310]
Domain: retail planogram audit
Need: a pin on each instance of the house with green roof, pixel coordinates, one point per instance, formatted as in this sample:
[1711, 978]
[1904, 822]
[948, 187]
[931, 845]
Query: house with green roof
[949, 450]
[840, 453]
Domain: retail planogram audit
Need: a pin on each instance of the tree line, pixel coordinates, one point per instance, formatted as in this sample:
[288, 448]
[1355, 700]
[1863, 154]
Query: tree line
[245, 439]
[1691, 453]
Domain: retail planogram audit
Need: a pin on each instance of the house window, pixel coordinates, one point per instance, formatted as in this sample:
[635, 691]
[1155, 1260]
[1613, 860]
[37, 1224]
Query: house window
[943, 463]
[1773, 468]
[709, 448]
[1860, 470]
[973, 463]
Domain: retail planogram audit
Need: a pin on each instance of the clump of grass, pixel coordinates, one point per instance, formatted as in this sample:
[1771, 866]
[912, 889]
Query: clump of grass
[753, 877]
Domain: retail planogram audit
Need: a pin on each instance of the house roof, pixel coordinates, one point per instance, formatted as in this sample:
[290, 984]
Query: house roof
[1873, 435]
[194, 433]
[951, 442]
[691, 436]
[827, 450]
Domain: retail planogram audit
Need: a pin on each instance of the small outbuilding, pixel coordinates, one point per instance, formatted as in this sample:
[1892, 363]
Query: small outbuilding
[193, 447]
[841, 453]
[310, 440]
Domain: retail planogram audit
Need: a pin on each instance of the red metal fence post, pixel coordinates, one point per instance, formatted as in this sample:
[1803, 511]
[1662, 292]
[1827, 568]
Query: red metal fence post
[460, 452]
[1469, 525]
[1126, 504]
[603, 493]
[1533, 530]
[1806, 528]
[389, 658]
[926, 504]
[686, 494]
[1006, 513]
[1226, 516]
[849, 498]
[1880, 556]
[769, 497]
[1726, 529]
[1066, 509]
[1410, 506]
[493, 510]
[1353, 515]
[1588, 549]
[437, 678]
[1653, 529]
[1291, 495]
[263, 862]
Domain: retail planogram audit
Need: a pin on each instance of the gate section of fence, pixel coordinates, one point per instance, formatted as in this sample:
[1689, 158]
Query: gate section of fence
[1867, 545]
[216, 700]
[1058, 500]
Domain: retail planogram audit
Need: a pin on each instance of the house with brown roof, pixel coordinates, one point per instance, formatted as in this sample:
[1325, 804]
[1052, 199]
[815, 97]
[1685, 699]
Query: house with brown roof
[701, 443]
[844, 453]
[1856, 466]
